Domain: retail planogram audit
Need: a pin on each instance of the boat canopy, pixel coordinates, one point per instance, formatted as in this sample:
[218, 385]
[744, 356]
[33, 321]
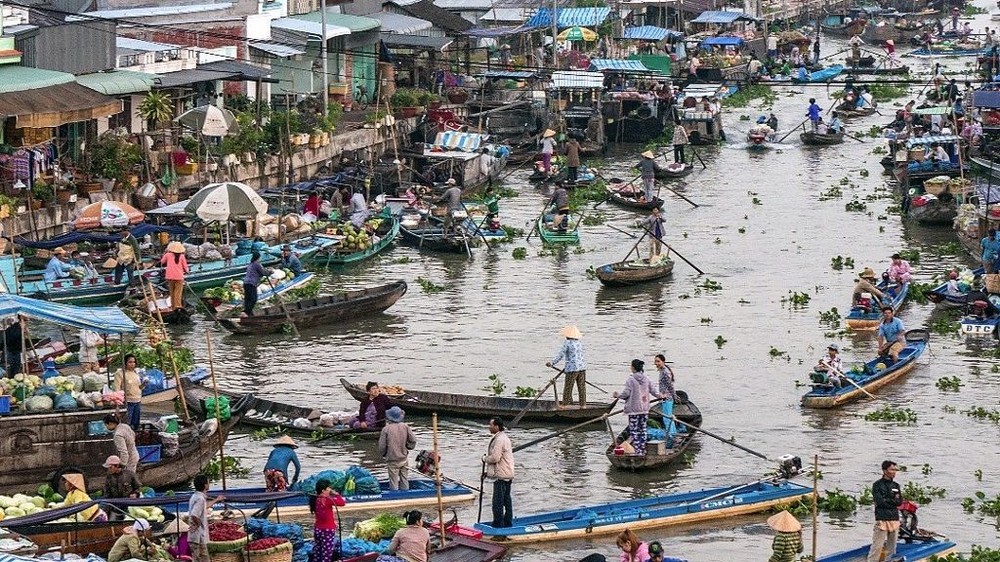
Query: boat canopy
[988, 96]
[569, 17]
[626, 66]
[722, 42]
[577, 80]
[649, 33]
[100, 319]
[139, 230]
[938, 139]
[509, 74]
[933, 110]
[718, 16]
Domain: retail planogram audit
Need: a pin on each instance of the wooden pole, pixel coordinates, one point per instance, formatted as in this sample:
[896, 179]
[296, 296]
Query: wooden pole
[437, 481]
[173, 361]
[215, 391]
[815, 501]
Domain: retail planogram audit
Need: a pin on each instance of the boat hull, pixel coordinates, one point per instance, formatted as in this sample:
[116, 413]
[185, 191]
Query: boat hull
[860, 321]
[331, 257]
[684, 411]
[552, 237]
[617, 195]
[621, 275]
[911, 552]
[816, 139]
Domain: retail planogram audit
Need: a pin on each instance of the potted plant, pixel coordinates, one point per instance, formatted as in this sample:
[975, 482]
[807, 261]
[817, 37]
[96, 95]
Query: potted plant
[42, 193]
[432, 100]
[113, 159]
[7, 205]
[457, 95]
[156, 108]
[405, 101]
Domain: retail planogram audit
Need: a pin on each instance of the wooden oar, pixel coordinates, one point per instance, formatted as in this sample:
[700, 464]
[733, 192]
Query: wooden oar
[516, 168]
[670, 249]
[846, 134]
[795, 128]
[682, 197]
[288, 316]
[531, 402]
[592, 385]
[468, 216]
[856, 385]
[698, 156]
[535, 228]
[726, 441]
[482, 484]
[620, 230]
[635, 246]
[600, 418]
[619, 190]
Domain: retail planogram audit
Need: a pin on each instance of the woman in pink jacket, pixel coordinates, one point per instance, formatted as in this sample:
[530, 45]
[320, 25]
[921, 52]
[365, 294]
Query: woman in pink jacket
[633, 549]
[175, 267]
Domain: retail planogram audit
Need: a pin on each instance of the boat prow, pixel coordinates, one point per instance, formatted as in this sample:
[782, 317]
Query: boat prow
[911, 552]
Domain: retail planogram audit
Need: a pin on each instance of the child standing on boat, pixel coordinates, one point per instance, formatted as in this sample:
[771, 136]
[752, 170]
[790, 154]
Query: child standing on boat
[636, 394]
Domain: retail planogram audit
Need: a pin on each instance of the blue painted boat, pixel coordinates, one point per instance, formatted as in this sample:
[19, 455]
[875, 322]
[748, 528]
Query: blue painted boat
[862, 320]
[422, 492]
[911, 552]
[946, 51]
[979, 327]
[939, 295]
[828, 73]
[870, 378]
[657, 511]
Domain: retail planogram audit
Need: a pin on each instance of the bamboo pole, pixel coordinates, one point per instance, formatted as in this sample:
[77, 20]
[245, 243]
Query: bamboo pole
[437, 481]
[215, 391]
[173, 362]
[815, 502]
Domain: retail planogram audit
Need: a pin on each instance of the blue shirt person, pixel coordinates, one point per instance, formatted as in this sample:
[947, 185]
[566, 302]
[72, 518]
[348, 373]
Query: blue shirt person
[575, 368]
[891, 334]
[290, 260]
[991, 251]
[813, 112]
[276, 469]
[57, 268]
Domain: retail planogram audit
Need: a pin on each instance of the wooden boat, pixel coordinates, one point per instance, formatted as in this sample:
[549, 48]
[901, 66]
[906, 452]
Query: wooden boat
[947, 50]
[848, 113]
[978, 326]
[867, 321]
[634, 272]
[759, 140]
[879, 70]
[552, 237]
[931, 210]
[654, 512]
[685, 411]
[387, 233]
[50, 444]
[940, 297]
[834, 24]
[824, 75]
[460, 548]
[917, 551]
[428, 234]
[317, 311]
[261, 412]
[673, 170]
[872, 377]
[629, 197]
[817, 139]
[217, 306]
[480, 407]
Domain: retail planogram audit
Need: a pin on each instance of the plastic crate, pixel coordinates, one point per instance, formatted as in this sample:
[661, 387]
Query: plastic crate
[149, 453]
[96, 427]
[460, 530]
[4, 404]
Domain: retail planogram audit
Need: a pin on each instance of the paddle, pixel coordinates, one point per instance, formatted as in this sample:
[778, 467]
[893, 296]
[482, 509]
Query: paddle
[482, 484]
[682, 197]
[622, 231]
[535, 228]
[670, 249]
[698, 156]
[636, 245]
[795, 128]
[478, 229]
[523, 411]
[726, 441]
[619, 190]
[849, 135]
[592, 385]
[856, 385]
[281, 301]
[600, 418]
[516, 168]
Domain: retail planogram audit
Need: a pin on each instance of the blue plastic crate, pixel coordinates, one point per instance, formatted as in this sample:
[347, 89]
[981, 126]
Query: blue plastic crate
[4, 404]
[96, 427]
[149, 453]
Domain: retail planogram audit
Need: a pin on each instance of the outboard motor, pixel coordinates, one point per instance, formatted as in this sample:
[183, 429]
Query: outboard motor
[789, 466]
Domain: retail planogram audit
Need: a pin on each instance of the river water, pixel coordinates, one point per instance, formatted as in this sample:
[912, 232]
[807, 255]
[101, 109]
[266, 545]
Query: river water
[762, 231]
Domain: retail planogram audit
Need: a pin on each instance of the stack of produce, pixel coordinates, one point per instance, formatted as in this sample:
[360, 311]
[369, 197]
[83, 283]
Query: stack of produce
[46, 498]
[226, 536]
[288, 533]
[355, 480]
[383, 526]
[232, 292]
[357, 240]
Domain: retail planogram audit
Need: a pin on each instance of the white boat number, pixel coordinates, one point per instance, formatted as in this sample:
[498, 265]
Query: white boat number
[977, 329]
[721, 503]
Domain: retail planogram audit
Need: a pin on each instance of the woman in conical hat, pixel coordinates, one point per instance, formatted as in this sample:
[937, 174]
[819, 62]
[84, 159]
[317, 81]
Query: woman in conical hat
[787, 543]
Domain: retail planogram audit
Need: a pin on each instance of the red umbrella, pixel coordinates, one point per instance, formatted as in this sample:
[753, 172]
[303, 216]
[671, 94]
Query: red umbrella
[108, 214]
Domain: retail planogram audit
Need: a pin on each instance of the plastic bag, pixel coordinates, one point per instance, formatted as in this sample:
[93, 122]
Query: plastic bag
[224, 412]
[64, 401]
[262, 528]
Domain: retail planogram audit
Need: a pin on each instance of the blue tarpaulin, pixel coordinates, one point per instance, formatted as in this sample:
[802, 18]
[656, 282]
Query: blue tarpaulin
[569, 17]
[626, 66]
[100, 319]
[722, 42]
[93, 237]
[988, 96]
[649, 33]
[712, 16]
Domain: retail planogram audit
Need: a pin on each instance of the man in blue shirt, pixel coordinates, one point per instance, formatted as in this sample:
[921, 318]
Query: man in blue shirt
[58, 267]
[836, 125]
[813, 113]
[576, 367]
[891, 334]
[991, 250]
[290, 260]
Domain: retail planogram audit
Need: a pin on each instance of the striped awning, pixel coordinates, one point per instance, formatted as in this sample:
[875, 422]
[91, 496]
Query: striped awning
[569, 17]
[649, 33]
[618, 65]
[462, 142]
[577, 80]
[939, 139]
[713, 16]
[100, 319]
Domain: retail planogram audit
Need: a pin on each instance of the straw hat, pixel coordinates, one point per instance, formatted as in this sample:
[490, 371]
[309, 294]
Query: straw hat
[648, 154]
[548, 133]
[867, 273]
[451, 181]
[571, 332]
[890, 42]
[59, 251]
[175, 247]
[394, 414]
[784, 522]
[286, 440]
[76, 480]
[113, 460]
[109, 263]
[175, 527]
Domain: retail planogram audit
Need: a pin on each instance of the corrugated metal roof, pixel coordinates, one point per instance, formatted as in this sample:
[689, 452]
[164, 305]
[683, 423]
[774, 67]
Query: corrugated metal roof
[191, 76]
[138, 45]
[276, 49]
[398, 23]
[426, 10]
[51, 106]
[715, 16]
[151, 11]
[15, 29]
[310, 27]
[939, 139]
[577, 79]
[619, 65]
[508, 74]
[494, 31]
[355, 24]
[464, 5]
[648, 33]
[15, 78]
[235, 67]
[569, 17]
[117, 82]
[415, 41]
[505, 14]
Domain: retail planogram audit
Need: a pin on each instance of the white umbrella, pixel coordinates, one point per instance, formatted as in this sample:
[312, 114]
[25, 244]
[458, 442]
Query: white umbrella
[210, 121]
[226, 201]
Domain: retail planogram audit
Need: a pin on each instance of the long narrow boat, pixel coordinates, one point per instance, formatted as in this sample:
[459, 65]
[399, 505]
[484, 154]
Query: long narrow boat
[875, 374]
[939, 295]
[634, 272]
[261, 412]
[878, 71]
[685, 411]
[672, 170]
[861, 321]
[848, 113]
[655, 512]
[481, 407]
[947, 51]
[432, 237]
[387, 232]
[911, 552]
[817, 139]
[218, 306]
[629, 198]
[317, 311]
[828, 73]
[553, 237]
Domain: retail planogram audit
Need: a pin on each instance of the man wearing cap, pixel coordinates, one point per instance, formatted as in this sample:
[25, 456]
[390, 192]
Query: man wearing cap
[58, 266]
[120, 482]
[891, 334]
[575, 368]
[647, 170]
[133, 544]
[900, 270]
[452, 196]
[832, 365]
[787, 543]
[394, 444]
[888, 497]
[127, 256]
[290, 261]
[866, 284]
[276, 468]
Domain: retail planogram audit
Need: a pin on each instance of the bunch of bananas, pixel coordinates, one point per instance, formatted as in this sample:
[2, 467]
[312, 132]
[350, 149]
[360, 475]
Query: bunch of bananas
[393, 390]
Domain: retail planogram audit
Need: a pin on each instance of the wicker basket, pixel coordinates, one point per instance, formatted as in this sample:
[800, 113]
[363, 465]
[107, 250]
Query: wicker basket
[239, 556]
[992, 282]
[227, 546]
[280, 553]
[936, 186]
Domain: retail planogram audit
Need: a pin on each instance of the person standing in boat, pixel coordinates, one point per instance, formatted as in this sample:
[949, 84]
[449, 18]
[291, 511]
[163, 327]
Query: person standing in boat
[325, 521]
[572, 159]
[636, 394]
[278, 461]
[198, 507]
[679, 141]
[647, 171]
[89, 342]
[668, 393]
[127, 256]
[855, 43]
[452, 197]
[891, 334]
[560, 207]
[888, 497]
[653, 224]
[814, 113]
[991, 250]
[124, 439]
[576, 366]
[371, 412]
[394, 444]
[358, 209]
[175, 267]
[492, 202]
[498, 464]
[548, 143]
[255, 273]
[787, 543]
[127, 380]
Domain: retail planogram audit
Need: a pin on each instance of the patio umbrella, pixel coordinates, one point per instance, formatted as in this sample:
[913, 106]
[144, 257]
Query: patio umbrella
[210, 121]
[577, 33]
[107, 214]
[225, 202]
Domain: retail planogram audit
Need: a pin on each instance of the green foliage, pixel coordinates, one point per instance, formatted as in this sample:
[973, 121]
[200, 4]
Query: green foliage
[519, 253]
[883, 92]
[525, 392]
[743, 97]
[831, 316]
[855, 206]
[910, 255]
[840, 262]
[147, 356]
[921, 494]
[952, 384]
[900, 416]
[866, 497]
[308, 291]
[595, 219]
[835, 192]
[837, 501]
[918, 291]
[796, 299]
[496, 386]
[404, 97]
[428, 286]
[978, 554]
[720, 341]
[113, 157]
[156, 108]
[981, 413]
[710, 285]
[233, 466]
